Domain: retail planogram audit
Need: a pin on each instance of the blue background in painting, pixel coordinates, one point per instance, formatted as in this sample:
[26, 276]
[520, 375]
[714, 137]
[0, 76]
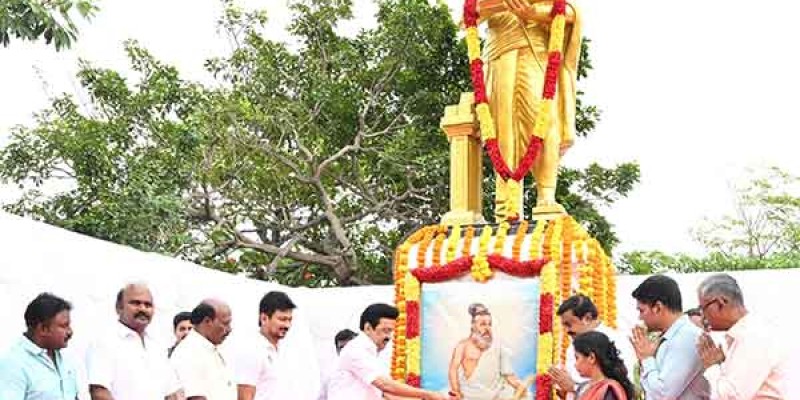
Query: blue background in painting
[514, 305]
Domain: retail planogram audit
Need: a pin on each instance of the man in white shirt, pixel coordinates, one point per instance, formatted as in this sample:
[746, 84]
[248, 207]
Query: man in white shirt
[257, 367]
[201, 368]
[753, 364]
[126, 363]
[360, 375]
[578, 314]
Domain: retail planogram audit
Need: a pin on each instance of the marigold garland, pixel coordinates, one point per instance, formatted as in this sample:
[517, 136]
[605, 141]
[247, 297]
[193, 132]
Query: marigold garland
[436, 257]
[500, 237]
[467, 249]
[480, 268]
[452, 243]
[514, 267]
[611, 296]
[566, 276]
[555, 249]
[597, 282]
[451, 270]
[522, 231]
[543, 120]
[535, 250]
[544, 360]
[422, 249]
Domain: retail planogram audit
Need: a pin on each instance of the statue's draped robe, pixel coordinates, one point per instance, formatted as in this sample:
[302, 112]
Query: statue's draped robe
[514, 86]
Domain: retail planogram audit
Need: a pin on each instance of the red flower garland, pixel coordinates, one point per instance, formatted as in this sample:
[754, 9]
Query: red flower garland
[544, 385]
[412, 319]
[500, 166]
[546, 313]
[471, 12]
[551, 75]
[559, 7]
[476, 73]
[479, 88]
[461, 266]
[453, 269]
[515, 268]
[413, 380]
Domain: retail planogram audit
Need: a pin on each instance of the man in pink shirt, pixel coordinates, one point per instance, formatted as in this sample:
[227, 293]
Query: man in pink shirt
[360, 375]
[752, 365]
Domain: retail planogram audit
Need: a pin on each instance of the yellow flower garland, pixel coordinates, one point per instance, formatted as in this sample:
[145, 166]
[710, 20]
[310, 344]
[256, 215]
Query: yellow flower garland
[500, 238]
[611, 295]
[480, 266]
[535, 249]
[548, 285]
[516, 249]
[452, 243]
[563, 241]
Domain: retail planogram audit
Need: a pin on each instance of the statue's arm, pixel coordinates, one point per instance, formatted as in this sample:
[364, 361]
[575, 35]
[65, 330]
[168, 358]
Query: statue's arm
[537, 11]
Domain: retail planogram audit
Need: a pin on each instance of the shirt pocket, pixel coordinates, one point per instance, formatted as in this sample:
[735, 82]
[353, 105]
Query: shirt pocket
[52, 388]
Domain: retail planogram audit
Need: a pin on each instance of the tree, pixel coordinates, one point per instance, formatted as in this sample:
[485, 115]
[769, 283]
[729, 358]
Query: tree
[49, 19]
[763, 232]
[766, 219]
[304, 164]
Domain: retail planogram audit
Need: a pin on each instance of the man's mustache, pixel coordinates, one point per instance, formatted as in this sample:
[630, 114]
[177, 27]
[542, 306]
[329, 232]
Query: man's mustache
[141, 314]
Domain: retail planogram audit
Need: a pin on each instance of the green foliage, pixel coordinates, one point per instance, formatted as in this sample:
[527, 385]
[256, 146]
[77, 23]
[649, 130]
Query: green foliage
[763, 233]
[304, 164]
[127, 161]
[49, 19]
[766, 218]
[653, 262]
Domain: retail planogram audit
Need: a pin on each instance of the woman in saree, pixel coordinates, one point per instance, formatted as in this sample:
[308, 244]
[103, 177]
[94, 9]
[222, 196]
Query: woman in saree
[597, 359]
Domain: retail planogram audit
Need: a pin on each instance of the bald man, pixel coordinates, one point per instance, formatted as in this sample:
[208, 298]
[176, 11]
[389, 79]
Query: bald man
[126, 363]
[201, 368]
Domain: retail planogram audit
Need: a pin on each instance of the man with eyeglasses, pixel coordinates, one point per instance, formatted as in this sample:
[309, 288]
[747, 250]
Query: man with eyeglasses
[752, 366]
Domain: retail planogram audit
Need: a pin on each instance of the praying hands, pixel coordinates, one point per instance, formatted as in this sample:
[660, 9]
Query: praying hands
[642, 345]
[709, 352]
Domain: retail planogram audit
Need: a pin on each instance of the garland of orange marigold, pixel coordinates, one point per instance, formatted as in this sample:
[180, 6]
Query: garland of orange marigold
[437, 257]
[566, 277]
[555, 49]
[467, 249]
[401, 276]
[522, 231]
[611, 294]
[422, 249]
[562, 241]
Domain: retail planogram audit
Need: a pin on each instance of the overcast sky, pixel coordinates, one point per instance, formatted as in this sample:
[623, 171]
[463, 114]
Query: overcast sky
[695, 91]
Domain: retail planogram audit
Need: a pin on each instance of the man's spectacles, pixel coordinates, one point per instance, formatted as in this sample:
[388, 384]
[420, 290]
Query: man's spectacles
[704, 306]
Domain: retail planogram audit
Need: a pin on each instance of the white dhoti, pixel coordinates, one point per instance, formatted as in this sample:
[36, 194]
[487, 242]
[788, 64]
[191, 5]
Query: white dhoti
[487, 381]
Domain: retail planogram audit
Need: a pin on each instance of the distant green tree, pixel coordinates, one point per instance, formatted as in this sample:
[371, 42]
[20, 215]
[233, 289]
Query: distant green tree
[763, 233]
[51, 20]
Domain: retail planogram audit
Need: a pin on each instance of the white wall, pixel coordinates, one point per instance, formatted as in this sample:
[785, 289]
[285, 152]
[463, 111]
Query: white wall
[88, 272]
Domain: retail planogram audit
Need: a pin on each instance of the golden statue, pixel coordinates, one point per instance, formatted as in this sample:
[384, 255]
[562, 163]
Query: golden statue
[516, 58]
